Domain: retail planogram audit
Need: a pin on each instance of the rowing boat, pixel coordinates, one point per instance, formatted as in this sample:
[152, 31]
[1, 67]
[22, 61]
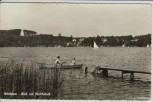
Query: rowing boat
[77, 66]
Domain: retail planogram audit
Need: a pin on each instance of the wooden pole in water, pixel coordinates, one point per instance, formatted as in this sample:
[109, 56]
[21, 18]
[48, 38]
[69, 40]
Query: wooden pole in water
[86, 70]
[105, 73]
[132, 76]
[122, 75]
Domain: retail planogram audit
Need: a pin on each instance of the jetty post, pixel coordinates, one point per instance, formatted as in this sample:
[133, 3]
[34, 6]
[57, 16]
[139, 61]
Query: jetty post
[131, 74]
[86, 69]
[105, 73]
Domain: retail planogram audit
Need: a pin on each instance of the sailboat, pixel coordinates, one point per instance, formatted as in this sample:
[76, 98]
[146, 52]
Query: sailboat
[95, 45]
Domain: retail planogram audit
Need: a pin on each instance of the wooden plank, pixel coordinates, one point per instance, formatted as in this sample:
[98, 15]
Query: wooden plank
[125, 71]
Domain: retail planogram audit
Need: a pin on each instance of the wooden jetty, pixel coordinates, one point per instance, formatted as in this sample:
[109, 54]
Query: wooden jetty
[104, 72]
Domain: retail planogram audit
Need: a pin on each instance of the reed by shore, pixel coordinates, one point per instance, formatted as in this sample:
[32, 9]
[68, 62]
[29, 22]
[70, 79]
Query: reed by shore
[27, 81]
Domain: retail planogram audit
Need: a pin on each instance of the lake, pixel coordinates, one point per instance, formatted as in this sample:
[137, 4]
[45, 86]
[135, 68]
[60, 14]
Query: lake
[88, 86]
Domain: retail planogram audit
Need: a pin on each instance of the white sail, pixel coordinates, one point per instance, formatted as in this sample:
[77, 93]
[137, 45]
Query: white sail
[21, 34]
[95, 45]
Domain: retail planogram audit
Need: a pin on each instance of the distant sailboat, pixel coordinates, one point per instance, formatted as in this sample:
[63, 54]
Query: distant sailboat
[95, 45]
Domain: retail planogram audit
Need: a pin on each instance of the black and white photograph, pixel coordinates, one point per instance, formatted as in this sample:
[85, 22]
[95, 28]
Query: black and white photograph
[75, 51]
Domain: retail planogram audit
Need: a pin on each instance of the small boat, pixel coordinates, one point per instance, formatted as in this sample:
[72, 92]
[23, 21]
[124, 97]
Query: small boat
[95, 45]
[77, 66]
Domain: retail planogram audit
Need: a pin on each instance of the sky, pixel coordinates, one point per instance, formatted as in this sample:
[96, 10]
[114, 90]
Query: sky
[78, 20]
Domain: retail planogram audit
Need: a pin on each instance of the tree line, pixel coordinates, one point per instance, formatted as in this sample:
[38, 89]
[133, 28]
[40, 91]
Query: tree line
[12, 38]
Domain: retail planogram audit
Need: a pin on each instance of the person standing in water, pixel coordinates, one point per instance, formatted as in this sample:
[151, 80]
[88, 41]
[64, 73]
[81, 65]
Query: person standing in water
[73, 62]
[58, 62]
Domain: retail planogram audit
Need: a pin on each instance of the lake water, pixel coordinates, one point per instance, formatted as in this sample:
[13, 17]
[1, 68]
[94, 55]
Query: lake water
[88, 86]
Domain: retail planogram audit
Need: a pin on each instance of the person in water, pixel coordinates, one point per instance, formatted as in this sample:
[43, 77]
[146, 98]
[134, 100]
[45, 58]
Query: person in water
[58, 62]
[73, 62]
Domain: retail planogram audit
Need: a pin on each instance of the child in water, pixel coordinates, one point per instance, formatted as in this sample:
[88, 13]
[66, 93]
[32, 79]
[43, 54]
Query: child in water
[57, 62]
[73, 62]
